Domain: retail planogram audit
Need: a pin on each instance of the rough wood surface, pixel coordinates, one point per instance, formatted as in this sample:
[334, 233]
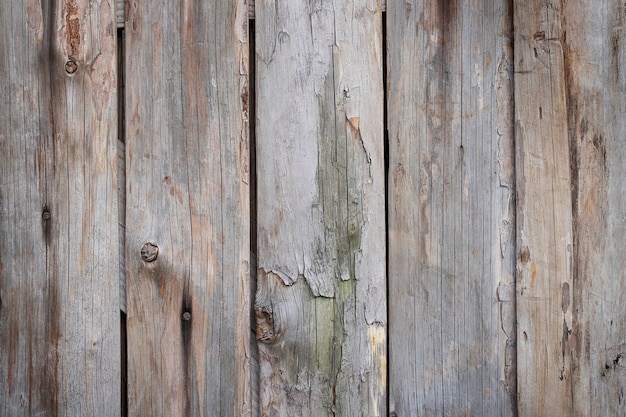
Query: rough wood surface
[451, 209]
[251, 7]
[120, 13]
[59, 299]
[187, 229]
[544, 213]
[320, 303]
[595, 52]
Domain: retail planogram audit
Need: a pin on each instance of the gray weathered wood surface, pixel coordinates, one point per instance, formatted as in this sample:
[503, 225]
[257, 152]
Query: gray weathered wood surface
[187, 195]
[544, 213]
[505, 200]
[595, 59]
[59, 300]
[451, 209]
[320, 305]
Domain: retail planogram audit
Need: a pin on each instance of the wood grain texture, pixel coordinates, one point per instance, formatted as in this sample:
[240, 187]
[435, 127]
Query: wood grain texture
[59, 298]
[595, 53]
[121, 221]
[251, 7]
[451, 209]
[544, 212]
[320, 303]
[187, 196]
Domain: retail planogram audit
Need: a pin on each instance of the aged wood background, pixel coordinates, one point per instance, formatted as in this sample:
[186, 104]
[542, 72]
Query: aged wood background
[451, 209]
[312, 208]
[187, 238]
[59, 298]
[320, 303]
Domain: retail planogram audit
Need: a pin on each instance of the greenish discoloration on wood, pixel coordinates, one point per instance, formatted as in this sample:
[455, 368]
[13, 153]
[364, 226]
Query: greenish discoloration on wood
[321, 208]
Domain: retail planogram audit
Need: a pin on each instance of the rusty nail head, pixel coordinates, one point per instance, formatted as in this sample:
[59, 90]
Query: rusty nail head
[186, 316]
[70, 67]
[45, 215]
[149, 252]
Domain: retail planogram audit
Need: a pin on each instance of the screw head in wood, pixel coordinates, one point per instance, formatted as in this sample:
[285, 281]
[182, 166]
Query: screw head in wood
[186, 316]
[149, 252]
[45, 215]
[70, 67]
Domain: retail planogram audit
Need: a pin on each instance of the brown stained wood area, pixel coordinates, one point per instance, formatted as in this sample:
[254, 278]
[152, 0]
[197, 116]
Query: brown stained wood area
[339, 208]
[544, 208]
[596, 104]
[187, 218]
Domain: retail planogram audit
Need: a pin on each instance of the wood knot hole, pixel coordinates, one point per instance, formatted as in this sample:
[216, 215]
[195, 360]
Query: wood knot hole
[149, 252]
[265, 331]
[70, 67]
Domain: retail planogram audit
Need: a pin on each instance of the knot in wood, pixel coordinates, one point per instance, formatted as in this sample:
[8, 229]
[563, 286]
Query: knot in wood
[265, 331]
[70, 67]
[149, 252]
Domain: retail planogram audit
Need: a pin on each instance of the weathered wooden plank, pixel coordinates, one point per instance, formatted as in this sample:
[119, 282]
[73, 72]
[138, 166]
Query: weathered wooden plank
[544, 212]
[320, 303]
[187, 230]
[595, 53]
[251, 7]
[451, 213]
[59, 299]
[120, 13]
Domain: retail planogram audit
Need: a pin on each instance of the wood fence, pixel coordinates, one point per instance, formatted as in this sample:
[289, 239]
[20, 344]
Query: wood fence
[312, 208]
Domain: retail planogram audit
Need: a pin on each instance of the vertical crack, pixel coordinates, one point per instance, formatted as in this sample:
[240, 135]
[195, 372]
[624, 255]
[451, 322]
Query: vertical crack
[121, 212]
[386, 188]
[255, 374]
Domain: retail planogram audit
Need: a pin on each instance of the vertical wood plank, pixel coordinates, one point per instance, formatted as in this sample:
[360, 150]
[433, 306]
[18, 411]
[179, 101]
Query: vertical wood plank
[595, 53]
[320, 303]
[544, 212]
[59, 296]
[451, 208]
[187, 230]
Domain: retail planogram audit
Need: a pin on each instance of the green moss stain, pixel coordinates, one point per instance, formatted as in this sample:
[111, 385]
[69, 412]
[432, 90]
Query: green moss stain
[341, 162]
